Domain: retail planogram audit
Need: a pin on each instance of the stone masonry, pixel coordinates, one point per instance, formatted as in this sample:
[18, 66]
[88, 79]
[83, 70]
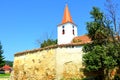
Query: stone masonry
[51, 63]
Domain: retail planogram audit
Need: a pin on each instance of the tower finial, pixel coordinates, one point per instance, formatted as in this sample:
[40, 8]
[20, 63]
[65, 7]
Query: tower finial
[66, 2]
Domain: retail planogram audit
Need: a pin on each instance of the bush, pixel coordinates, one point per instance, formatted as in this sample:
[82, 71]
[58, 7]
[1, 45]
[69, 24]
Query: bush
[89, 78]
[2, 71]
[117, 77]
[93, 78]
[71, 79]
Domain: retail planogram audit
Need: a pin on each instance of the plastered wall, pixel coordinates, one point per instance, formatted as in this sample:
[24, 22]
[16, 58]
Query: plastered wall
[49, 64]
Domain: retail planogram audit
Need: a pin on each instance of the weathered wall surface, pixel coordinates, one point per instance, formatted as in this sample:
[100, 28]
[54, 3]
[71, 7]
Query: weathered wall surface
[69, 63]
[49, 64]
[36, 66]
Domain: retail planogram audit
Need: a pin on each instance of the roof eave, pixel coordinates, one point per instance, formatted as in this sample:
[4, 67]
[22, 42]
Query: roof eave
[66, 23]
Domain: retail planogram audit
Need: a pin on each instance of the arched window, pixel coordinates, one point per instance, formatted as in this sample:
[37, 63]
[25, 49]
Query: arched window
[63, 31]
[73, 32]
[63, 27]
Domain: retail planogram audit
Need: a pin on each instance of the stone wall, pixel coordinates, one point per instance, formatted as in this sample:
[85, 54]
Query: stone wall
[52, 63]
[69, 63]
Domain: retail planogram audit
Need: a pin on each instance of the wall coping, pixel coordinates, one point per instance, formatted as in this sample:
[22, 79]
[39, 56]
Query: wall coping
[49, 47]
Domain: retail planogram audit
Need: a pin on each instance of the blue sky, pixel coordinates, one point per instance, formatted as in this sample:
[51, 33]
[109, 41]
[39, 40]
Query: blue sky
[23, 22]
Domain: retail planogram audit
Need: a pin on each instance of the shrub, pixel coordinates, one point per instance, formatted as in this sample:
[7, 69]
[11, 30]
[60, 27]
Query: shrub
[117, 77]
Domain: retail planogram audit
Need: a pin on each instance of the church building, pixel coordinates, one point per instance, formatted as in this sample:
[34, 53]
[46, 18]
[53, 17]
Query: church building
[57, 62]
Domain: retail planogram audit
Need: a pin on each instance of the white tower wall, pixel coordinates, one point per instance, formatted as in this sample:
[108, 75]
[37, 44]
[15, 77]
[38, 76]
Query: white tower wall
[68, 35]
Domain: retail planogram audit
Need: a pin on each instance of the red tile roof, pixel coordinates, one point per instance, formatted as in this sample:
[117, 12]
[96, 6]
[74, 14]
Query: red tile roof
[6, 67]
[81, 39]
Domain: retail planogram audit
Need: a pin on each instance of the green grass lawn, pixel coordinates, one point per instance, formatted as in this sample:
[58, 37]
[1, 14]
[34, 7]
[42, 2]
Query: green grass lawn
[4, 75]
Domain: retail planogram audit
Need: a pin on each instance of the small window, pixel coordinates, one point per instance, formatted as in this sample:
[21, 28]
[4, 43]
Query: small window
[73, 32]
[63, 27]
[73, 27]
[63, 31]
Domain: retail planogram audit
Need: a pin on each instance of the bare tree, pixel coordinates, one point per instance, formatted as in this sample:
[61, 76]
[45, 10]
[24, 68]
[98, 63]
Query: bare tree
[119, 30]
[112, 12]
[46, 40]
[119, 25]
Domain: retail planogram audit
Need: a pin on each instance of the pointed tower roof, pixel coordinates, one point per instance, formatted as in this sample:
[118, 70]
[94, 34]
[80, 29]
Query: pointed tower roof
[67, 17]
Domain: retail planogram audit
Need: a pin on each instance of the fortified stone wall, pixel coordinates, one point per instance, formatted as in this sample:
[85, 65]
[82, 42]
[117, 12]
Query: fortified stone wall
[53, 63]
[69, 63]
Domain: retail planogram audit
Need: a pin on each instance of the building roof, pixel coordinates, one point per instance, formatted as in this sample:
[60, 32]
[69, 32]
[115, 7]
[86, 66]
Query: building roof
[49, 47]
[6, 67]
[67, 17]
[77, 41]
[81, 39]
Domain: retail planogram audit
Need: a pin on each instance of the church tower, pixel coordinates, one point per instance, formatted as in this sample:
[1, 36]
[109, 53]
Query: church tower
[67, 30]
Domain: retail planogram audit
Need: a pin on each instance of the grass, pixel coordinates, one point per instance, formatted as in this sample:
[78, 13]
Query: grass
[4, 75]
